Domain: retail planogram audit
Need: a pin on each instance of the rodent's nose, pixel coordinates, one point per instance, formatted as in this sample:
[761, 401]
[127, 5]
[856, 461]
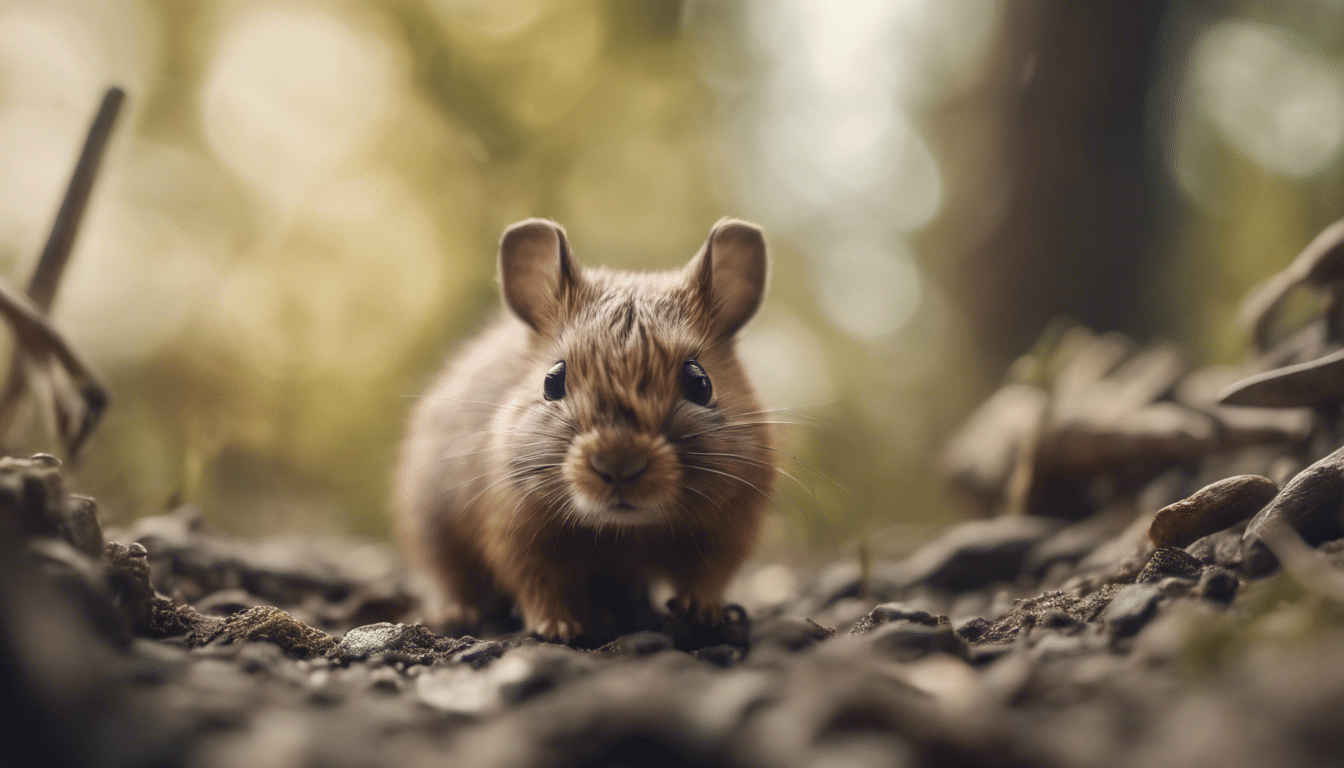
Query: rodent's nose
[619, 468]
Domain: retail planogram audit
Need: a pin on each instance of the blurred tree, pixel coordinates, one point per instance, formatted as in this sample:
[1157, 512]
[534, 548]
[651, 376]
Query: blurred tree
[1082, 174]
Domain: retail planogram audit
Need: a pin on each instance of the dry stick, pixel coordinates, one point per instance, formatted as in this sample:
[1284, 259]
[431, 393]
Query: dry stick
[37, 337]
[42, 288]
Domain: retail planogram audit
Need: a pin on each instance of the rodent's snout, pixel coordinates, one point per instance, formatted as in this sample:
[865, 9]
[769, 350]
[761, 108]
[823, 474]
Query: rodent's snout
[620, 472]
[619, 467]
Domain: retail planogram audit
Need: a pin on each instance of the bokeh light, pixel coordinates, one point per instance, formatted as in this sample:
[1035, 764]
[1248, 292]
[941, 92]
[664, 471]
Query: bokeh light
[297, 218]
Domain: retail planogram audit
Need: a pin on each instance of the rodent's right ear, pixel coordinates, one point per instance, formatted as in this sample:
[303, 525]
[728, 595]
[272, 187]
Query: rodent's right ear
[536, 271]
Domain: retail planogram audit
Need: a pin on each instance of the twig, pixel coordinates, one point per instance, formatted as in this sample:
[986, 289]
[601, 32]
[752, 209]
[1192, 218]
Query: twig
[38, 340]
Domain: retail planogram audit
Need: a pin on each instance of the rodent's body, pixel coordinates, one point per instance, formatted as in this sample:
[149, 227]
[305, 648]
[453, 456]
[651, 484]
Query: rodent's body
[625, 465]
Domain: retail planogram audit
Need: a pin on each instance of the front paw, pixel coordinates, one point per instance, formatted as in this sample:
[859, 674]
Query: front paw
[697, 610]
[563, 630]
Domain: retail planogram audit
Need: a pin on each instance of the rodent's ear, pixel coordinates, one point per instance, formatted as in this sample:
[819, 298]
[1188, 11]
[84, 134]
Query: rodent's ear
[536, 271]
[729, 273]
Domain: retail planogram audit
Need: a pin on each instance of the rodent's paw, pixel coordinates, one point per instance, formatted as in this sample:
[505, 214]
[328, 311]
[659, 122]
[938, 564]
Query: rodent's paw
[696, 610]
[563, 630]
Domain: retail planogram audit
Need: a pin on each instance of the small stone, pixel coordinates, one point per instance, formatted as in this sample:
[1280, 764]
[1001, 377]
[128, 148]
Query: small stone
[982, 654]
[641, 644]
[907, 640]
[480, 653]
[972, 630]
[271, 625]
[1212, 508]
[80, 525]
[1313, 383]
[1169, 561]
[1222, 548]
[793, 633]
[1131, 608]
[722, 656]
[1175, 586]
[1026, 614]
[1059, 620]
[1310, 504]
[888, 612]
[1061, 646]
[1218, 584]
[975, 554]
[407, 642]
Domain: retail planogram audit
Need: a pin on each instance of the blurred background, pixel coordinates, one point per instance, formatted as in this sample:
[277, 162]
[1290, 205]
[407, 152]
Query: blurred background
[297, 216]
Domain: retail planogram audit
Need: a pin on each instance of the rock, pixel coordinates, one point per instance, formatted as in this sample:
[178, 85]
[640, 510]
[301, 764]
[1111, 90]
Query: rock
[151, 614]
[981, 654]
[1310, 504]
[1169, 561]
[793, 633]
[905, 640]
[722, 656]
[1131, 608]
[1026, 614]
[1239, 426]
[522, 674]
[80, 527]
[1212, 508]
[1057, 645]
[638, 644]
[887, 612]
[481, 654]
[1217, 584]
[974, 554]
[1222, 548]
[269, 624]
[973, 629]
[405, 643]
[1058, 621]
[84, 582]
[1313, 383]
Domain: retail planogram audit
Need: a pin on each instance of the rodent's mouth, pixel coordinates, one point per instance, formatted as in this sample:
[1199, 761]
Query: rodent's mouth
[622, 505]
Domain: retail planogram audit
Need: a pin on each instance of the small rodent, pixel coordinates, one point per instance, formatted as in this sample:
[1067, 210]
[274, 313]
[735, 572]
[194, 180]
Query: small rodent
[602, 429]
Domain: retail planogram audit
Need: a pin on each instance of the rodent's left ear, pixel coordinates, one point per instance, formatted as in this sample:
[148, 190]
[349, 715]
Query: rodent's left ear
[536, 271]
[730, 273]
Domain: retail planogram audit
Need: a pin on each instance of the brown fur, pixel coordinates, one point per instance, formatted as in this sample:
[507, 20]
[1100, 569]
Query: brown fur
[502, 491]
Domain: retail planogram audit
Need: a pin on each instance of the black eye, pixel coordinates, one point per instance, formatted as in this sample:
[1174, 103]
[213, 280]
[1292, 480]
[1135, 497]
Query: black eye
[554, 387]
[695, 383]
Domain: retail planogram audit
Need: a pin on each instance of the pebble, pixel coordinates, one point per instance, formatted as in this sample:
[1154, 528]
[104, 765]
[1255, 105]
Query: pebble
[793, 633]
[975, 554]
[1169, 561]
[1131, 608]
[887, 612]
[1217, 584]
[905, 640]
[1310, 504]
[1213, 508]
[640, 644]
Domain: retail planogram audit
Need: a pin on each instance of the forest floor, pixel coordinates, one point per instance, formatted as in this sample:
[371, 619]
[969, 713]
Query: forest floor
[1019, 640]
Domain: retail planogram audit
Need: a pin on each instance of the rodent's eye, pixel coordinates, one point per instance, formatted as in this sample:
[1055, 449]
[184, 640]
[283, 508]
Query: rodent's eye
[554, 386]
[695, 383]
